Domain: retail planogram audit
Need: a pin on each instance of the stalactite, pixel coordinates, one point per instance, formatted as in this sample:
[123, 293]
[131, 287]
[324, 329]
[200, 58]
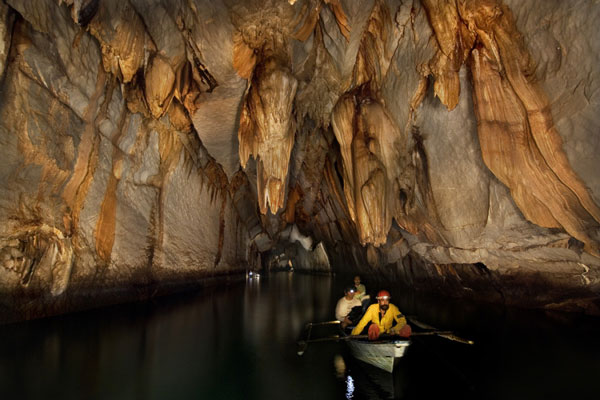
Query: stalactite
[368, 139]
[268, 109]
[107, 219]
[374, 56]
[159, 87]
[123, 47]
[454, 44]
[244, 58]
[217, 182]
[519, 141]
[310, 13]
[317, 97]
[342, 122]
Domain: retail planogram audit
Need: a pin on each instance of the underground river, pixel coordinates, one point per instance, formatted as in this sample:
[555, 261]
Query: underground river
[239, 342]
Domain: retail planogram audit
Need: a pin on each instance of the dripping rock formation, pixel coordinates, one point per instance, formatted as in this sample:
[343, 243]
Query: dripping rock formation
[447, 145]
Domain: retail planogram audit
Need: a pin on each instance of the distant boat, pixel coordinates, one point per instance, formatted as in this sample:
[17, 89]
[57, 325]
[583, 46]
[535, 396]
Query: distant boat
[381, 353]
[253, 275]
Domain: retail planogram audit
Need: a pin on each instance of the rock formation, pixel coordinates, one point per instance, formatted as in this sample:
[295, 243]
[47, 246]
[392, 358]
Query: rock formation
[449, 145]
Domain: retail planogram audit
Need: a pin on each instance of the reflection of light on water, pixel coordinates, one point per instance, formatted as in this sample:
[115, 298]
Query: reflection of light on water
[251, 275]
[280, 304]
[349, 387]
[340, 365]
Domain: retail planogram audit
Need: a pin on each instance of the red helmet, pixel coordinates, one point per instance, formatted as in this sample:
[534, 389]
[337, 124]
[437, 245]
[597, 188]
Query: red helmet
[383, 294]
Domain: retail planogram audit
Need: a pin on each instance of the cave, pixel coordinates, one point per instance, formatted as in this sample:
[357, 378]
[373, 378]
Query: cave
[153, 148]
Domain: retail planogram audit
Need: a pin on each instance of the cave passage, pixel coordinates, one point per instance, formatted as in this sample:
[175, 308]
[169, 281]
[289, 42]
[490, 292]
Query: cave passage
[239, 342]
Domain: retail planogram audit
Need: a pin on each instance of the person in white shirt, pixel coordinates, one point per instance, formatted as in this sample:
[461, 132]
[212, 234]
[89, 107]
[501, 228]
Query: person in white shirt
[361, 292]
[345, 305]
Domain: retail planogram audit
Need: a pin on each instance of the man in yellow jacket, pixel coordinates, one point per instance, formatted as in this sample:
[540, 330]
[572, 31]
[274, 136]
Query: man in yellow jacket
[383, 314]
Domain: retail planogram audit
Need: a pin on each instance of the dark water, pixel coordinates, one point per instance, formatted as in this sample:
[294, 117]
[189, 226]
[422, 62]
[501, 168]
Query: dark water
[238, 342]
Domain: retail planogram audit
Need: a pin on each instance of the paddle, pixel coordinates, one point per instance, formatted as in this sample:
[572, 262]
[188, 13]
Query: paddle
[310, 324]
[430, 330]
[303, 344]
[445, 335]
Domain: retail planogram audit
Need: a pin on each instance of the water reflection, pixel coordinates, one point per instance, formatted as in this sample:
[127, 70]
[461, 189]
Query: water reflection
[349, 387]
[364, 381]
[238, 342]
[340, 366]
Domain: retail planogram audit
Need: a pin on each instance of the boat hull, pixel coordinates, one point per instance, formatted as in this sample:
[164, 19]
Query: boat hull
[381, 354]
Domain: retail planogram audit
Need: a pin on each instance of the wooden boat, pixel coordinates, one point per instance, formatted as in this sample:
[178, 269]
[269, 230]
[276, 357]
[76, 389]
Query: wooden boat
[381, 354]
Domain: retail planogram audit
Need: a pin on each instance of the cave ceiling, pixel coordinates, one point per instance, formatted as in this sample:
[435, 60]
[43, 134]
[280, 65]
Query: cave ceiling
[146, 138]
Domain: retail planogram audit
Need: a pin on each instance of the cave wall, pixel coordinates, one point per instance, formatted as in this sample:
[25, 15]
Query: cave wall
[449, 145]
[100, 196]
